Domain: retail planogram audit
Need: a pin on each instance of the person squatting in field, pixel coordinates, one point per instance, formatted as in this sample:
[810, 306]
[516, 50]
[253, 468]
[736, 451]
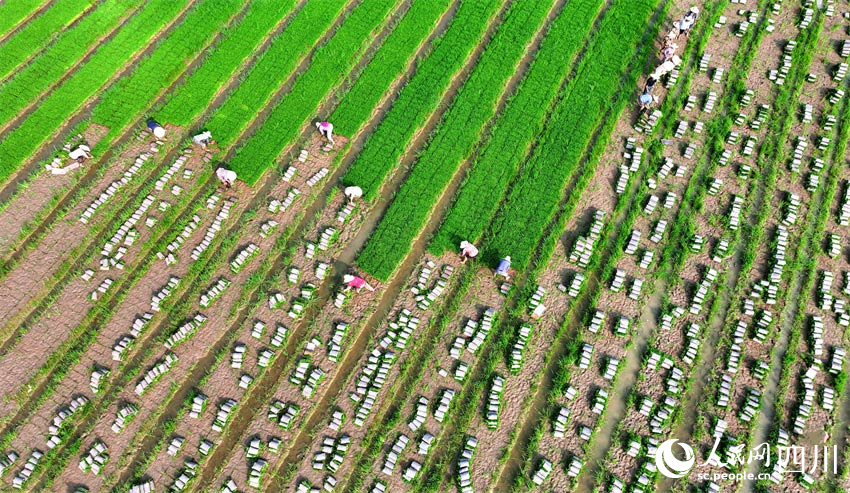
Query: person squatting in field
[467, 251]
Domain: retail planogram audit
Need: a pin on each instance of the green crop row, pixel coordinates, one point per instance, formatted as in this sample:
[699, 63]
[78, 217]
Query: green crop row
[453, 140]
[13, 12]
[533, 199]
[38, 32]
[193, 106]
[329, 65]
[18, 145]
[420, 96]
[272, 68]
[237, 45]
[129, 98]
[544, 251]
[45, 70]
[512, 135]
[396, 51]
[504, 336]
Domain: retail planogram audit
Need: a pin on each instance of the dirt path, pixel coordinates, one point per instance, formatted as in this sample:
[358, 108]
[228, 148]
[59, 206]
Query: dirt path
[767, 419]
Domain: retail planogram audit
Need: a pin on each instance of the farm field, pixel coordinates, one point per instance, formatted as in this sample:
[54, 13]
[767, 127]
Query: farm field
[660, 294]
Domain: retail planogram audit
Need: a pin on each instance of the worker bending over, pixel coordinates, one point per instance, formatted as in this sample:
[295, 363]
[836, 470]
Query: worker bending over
[666, 67]
[355, 282]
[353, 193]
[155, 128]
[226, 177]
[467, 251]
[647, 101]
[668, 52]
[326, 129]
[503, 267]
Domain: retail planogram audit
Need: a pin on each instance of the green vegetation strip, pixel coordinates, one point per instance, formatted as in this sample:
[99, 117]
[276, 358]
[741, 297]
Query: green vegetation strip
[512, 136]
[282, 57]
[329, 65]
[377, 15]
[420, 97]
[396, 51]
[237, 44]
[533, 199]
[453, 140]
[56, 108]
[39, 32]
[467, 406]
[129, 98]
[12, 12]
[202, 107]
[167, 59]
[43, 72]
[203, 179]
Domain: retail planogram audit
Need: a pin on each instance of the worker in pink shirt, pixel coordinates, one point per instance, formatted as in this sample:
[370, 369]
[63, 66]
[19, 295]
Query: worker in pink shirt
[355, 282]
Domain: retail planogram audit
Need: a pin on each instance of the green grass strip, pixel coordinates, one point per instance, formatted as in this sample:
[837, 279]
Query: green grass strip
[130, 97]
[14, 11]
[38, 32]
[420, 97]
[273, 67]
[237, 44]
[512, 136]
[395, 52]
[453, 140]
[533, 200]
[62, 102]
[47, 68]
[329, 65]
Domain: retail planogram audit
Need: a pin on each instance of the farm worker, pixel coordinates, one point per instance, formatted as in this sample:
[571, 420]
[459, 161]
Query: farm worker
[668, 51]
[646, 101]
[688, 21]
[326, 129]
[467, 250]
[156, 129]
[650, 84]
[226, 177]
[353, 193]
[81, 153]
[673, 34]
[203, 139]
[666, 67]
[503, 267]
[355, 282]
